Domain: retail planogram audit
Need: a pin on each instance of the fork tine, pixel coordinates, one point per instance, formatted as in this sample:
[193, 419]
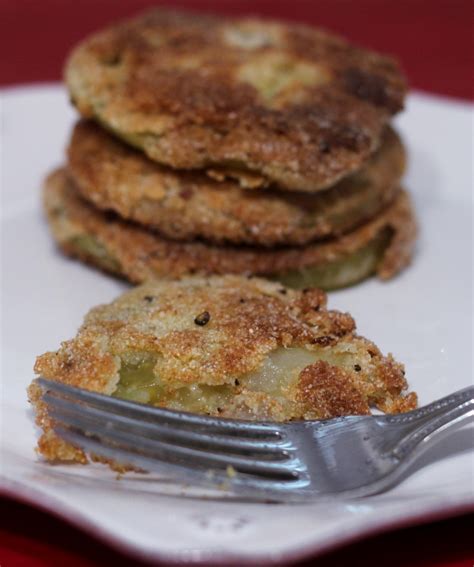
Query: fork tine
[66, 410]
[108, 434]
[243, 484]
[161, 415]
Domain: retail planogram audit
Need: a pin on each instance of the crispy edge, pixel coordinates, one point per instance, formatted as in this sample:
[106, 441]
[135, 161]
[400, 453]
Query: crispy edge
[141, 255]
[184, 205]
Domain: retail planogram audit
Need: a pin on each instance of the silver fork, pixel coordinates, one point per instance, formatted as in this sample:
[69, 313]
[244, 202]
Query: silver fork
[297, 461]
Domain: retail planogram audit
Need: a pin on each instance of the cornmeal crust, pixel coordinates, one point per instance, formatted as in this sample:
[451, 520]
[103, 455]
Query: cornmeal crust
[260, 101]
[136, 254]
[319, 366]
[186, 205]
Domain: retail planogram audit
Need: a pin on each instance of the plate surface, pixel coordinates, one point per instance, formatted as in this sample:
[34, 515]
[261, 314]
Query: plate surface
[424, 317]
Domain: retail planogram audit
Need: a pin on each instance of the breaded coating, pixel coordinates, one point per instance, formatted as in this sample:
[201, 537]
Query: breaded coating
[383, 245]
[186, 205]
[260, 101]
[228, 346]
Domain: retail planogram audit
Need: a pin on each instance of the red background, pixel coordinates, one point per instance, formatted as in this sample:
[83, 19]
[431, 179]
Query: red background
[432, 38]
[434, 41]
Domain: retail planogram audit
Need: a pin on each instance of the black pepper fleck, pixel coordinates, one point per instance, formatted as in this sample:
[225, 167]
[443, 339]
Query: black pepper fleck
[357, 367]
[110, 215]
[237, 383]
[203, 318]
[148, 298]
[186, 193]
[325, 340]
[324, 147]
[283, 291]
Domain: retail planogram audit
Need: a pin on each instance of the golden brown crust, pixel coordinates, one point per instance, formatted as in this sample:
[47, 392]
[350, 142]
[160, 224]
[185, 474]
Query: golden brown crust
[331, 390]
[250, 321]
[266, 102]
[50, 446]
[139, 254]
[185, 205]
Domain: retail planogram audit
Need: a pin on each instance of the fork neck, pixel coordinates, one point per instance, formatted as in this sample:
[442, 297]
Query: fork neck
[433, 421]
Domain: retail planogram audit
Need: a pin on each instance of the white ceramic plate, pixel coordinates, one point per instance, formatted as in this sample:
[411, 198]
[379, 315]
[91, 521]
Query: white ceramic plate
[424, 317]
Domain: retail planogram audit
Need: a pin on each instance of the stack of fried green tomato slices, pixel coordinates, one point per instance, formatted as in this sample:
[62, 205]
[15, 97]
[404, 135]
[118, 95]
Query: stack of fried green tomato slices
[216, 146]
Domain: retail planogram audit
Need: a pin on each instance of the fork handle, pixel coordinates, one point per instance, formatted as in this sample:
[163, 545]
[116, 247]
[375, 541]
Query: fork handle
[434, 420]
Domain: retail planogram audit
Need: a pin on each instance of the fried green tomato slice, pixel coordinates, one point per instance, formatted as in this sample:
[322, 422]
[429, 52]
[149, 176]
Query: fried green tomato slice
[264, 102]
[224, 346]
[186, 205]
[383, 246]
